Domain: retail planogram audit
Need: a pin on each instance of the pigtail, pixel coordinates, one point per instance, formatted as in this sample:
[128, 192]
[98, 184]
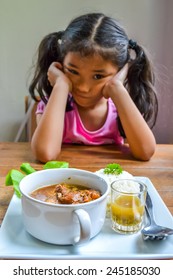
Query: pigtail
[48, 52]
[141, 84]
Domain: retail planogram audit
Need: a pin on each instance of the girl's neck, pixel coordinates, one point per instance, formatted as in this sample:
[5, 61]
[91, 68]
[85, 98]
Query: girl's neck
[93, 118]
[100, 103]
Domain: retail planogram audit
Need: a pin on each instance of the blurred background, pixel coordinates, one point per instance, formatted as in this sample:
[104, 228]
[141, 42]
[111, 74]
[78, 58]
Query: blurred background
[24, 23]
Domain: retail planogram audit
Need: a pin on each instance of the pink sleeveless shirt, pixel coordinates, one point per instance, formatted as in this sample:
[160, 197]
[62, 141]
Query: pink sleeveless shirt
[75, 132]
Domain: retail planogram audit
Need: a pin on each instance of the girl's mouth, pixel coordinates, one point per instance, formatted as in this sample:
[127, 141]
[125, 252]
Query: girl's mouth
[81, 95]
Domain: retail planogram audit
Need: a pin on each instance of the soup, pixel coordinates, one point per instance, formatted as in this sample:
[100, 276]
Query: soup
[65, 194]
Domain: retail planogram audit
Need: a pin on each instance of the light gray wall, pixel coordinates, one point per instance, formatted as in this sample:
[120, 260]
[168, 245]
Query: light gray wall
[23, 24]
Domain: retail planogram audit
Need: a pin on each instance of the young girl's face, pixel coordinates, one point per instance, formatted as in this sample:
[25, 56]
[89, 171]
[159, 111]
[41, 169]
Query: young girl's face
[88, 76]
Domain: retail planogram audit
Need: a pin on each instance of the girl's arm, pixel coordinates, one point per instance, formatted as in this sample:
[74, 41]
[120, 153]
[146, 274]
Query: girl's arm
[47, 139]
[139, 136]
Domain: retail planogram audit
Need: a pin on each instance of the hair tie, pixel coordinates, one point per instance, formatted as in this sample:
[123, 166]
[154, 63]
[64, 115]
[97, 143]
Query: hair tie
[132, 44]
[59, 36]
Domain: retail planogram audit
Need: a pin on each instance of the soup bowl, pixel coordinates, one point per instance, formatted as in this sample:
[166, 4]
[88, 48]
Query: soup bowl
[63, 224]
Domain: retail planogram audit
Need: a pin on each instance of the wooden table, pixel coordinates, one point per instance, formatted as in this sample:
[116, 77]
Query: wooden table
[159, 169]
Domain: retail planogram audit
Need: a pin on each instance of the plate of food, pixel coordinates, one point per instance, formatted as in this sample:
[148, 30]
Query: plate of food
[17, 243]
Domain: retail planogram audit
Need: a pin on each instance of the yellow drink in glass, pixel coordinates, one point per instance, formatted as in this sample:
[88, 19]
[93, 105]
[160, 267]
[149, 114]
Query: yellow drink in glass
[127, 209]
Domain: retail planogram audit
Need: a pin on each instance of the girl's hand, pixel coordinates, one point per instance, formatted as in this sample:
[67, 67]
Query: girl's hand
[121, 76]
[116, 83]
[55, 73]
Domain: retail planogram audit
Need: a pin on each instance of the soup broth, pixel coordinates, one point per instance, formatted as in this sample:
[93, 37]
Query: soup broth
[65, 194]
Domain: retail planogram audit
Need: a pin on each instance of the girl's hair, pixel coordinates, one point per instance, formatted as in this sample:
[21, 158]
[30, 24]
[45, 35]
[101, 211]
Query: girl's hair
[96, 33]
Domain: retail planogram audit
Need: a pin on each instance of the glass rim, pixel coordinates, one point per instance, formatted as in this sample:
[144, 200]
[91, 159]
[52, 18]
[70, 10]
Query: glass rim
[129, 193]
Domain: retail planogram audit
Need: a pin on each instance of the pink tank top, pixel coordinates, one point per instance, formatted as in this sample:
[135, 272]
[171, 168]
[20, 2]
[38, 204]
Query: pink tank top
[75, 132]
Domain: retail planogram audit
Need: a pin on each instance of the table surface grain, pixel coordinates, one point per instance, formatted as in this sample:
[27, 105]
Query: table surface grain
[159, 169]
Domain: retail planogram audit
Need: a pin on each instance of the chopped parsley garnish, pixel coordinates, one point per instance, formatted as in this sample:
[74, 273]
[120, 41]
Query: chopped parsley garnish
[113, 168]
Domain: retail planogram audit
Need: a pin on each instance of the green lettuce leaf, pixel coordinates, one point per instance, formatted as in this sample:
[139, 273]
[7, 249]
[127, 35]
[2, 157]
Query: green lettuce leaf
[27, 168]
[56, 164]
[13, 178]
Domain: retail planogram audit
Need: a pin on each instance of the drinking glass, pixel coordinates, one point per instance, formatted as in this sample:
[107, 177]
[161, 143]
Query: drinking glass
[127, 208]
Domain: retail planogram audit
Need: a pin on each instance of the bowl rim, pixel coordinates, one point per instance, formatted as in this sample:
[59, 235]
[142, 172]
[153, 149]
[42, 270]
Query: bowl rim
[48, 204]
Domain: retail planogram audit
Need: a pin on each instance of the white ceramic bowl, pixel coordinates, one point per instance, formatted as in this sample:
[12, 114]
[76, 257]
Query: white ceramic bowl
[60, 223]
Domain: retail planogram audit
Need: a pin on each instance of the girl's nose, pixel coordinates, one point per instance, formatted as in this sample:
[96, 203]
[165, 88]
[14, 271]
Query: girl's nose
[83, 86]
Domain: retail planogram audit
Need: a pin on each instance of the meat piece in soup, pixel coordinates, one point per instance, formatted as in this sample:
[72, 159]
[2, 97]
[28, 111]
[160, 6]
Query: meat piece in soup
[73, 195]
[66, 194]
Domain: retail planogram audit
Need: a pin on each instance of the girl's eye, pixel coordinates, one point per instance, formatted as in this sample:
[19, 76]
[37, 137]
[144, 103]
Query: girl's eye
[98, 77]
[72, 71]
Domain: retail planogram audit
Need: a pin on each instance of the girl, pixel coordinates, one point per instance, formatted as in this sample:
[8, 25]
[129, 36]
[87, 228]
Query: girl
[92, 91]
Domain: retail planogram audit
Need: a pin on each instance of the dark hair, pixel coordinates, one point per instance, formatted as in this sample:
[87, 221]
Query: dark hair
[96, 33]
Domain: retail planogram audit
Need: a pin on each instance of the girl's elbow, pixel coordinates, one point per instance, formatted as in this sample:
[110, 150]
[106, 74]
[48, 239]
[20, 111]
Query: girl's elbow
[146, 156]
[44, 155]
[145, 153]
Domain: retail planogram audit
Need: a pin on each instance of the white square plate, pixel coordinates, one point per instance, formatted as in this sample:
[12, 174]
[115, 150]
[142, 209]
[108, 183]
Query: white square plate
[16, 243]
